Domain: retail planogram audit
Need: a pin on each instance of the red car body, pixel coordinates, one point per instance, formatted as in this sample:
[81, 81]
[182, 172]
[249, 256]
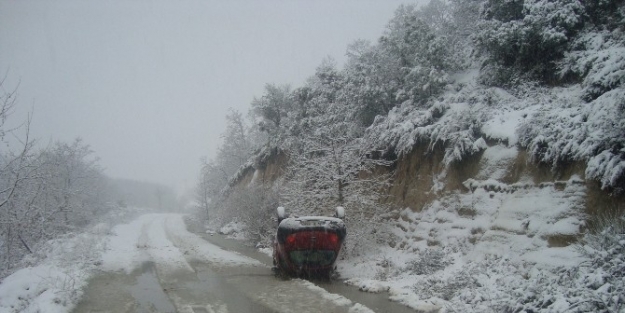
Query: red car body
[308, 245]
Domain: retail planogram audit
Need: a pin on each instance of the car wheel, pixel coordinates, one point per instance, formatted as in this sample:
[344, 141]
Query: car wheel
[279, 268]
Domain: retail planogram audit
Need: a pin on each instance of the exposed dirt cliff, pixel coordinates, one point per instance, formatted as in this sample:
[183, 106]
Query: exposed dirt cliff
[420, 178]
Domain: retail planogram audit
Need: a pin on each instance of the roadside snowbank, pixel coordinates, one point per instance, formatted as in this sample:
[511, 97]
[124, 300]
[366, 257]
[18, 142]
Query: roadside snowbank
[44, 288]
[53, 278]
[234, 230]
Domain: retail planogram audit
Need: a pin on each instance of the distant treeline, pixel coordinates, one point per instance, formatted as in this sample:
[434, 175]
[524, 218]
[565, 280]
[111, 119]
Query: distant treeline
[47, 192]
[132, 193]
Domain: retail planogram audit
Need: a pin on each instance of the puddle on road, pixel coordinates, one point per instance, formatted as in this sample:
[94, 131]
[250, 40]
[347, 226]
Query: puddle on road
[203, 291]
[379, 302]
[138, 291]
[213, 286]
[147, 292]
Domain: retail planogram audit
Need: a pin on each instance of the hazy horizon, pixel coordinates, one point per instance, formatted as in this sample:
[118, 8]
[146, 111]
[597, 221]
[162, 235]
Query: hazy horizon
[147, 84]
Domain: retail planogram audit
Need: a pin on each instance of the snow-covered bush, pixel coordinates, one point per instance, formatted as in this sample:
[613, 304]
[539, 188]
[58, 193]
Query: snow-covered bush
[606, 14]
[448, 287]
[566, 129]
[598, 57]
[603, 275]
[596, 285]
[55, 275]
[252, 206]
[428, 262]
[365, 233]
[232, 228]
[45, 194]
[528, 36]
[450, 122]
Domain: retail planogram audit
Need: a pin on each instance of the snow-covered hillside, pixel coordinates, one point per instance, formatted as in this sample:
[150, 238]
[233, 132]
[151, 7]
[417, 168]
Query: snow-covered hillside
[497, 248]
[478, 148]
[554, 124]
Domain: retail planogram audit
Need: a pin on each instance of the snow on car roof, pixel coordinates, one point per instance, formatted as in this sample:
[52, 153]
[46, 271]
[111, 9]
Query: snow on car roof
[297, 222]
[319, 218]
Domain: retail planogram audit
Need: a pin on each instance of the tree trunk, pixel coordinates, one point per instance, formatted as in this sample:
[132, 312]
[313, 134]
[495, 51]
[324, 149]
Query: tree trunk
[341, 185]
[24, 243]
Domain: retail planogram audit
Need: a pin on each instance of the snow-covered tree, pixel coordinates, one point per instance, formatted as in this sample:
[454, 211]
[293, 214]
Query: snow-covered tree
[373, 79]
[526, 38]
[328, 168]
[7, 103]
[236, 147]
[17, 172]
[46, 194]
[43, 193]
[310, 102]
[423, 53]
[72, 181]
[410, 63]
[608, 15]
[597, 58]
[272, 108]
[235, 151]
[212, 180]
[253, 206]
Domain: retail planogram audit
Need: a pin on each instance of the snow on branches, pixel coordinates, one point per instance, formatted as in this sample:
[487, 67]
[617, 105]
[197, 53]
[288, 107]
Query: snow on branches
[567, 129]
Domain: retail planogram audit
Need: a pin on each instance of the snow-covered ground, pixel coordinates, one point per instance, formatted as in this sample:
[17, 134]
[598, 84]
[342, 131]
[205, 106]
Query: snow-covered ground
[489, 250]
[493, 246]
[497, 247]
[176, 259]
[56, 283]
[442, 252]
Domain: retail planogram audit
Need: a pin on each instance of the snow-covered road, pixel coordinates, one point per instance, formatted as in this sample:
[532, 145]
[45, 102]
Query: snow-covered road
[154, 264]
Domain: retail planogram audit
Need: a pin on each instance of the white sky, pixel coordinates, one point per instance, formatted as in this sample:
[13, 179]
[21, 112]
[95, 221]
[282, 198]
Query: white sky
[147, 84]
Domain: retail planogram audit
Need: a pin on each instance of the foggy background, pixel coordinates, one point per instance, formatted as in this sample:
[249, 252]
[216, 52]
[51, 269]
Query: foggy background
[147, 84]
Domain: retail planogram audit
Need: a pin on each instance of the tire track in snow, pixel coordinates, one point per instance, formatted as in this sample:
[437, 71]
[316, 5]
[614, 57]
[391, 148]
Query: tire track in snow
[197, 289]
[163, 252]
[196, 248]
[196, 276]
[245, 283]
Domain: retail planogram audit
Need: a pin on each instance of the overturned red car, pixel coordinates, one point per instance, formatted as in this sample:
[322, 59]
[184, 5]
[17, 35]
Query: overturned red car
[308, 245]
